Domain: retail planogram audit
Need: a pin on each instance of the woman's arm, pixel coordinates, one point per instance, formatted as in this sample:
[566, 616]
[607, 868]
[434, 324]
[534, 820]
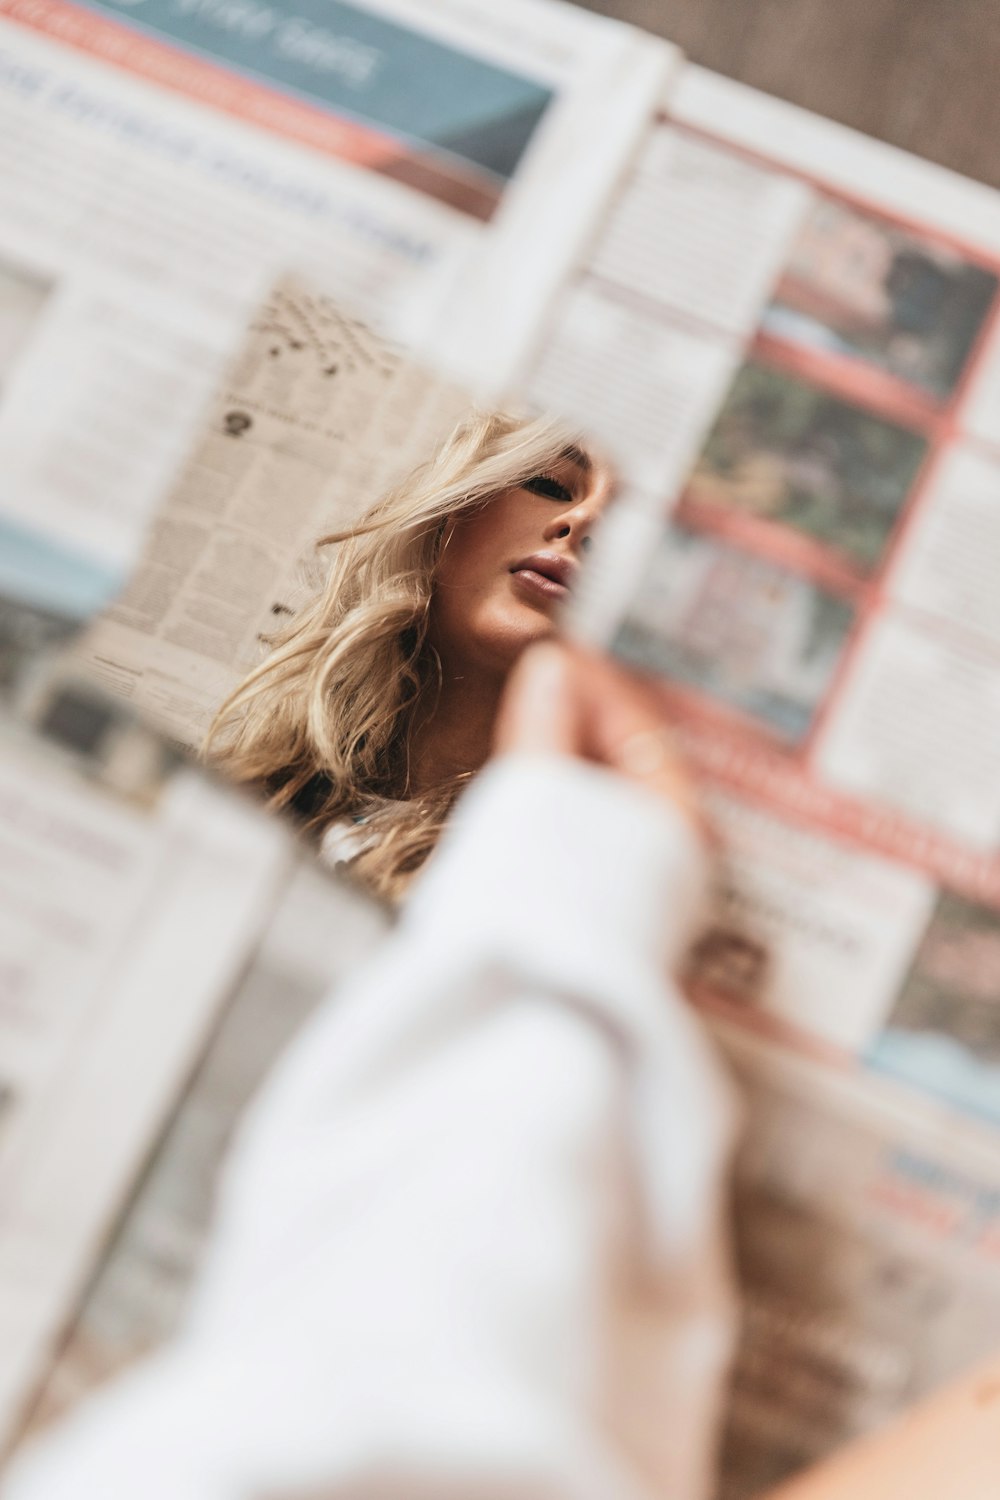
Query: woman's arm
[470, 1239]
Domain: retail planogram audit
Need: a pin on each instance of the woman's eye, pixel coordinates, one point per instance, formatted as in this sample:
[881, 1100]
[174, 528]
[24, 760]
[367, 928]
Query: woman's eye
[544, 484]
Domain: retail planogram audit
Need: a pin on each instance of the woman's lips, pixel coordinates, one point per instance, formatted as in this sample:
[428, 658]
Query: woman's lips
[544, 575]
[537, 586]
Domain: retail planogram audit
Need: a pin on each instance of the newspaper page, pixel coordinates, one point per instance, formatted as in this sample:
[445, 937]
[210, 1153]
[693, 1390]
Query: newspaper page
[162, 163]
[319, 928]
[788, 337]
[867, 1226]
[132, 894]
[316, 418]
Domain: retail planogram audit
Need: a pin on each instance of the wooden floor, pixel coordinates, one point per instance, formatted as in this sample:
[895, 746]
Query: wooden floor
[923, 74]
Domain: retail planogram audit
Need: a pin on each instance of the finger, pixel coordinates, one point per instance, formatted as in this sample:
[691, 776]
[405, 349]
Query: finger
[540, 707]
[624, 726]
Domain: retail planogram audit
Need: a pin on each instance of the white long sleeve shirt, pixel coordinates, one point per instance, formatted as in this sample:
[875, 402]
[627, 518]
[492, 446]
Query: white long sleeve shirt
[469, 1243]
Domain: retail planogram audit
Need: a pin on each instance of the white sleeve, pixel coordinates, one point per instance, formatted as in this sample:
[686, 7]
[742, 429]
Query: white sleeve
[468, 1242]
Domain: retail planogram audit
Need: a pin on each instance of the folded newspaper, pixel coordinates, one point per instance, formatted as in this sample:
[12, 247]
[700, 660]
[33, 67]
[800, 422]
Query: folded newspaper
[786, 336]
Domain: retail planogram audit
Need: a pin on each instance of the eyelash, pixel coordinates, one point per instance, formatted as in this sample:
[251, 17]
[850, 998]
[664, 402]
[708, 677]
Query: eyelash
[544, 484]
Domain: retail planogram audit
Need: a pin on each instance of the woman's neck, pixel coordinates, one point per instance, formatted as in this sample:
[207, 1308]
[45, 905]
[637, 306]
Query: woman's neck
[453, 737]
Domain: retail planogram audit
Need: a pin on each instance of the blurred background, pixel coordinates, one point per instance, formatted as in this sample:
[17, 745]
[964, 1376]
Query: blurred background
[921, 74]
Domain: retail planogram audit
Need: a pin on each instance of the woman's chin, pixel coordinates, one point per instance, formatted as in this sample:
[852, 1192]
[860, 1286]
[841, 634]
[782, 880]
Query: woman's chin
[542, 629]
[493, 640]
[504, 649]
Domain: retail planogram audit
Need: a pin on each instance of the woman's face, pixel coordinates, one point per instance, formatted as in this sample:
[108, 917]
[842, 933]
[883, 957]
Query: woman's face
[507, 567]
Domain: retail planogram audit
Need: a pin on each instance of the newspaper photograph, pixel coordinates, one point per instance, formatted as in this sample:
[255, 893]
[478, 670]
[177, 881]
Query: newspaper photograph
[942, 1032]
[747, 630]
[784, 453]
[869, 290]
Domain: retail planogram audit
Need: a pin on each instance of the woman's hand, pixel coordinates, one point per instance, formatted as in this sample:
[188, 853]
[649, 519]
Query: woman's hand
[565, 700]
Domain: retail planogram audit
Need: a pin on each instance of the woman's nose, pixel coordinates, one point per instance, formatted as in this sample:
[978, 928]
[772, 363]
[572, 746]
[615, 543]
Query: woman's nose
[575, 524]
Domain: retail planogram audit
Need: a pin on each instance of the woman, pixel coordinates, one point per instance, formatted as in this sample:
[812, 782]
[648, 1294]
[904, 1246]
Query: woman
[378, 703]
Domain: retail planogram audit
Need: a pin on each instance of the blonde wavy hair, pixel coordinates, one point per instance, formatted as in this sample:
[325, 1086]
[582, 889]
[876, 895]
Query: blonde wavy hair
[322, 726]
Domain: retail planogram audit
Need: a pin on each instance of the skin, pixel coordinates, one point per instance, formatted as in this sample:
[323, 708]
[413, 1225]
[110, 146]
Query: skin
[947, 1446]
[565, 700]
[485, 612]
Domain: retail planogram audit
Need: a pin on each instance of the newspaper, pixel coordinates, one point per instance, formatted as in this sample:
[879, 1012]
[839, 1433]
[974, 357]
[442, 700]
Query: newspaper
[132, 893]
[868, 1225]
[160, 167]
[814, 585]
[316, 418]
[315, 931]
[801, 331]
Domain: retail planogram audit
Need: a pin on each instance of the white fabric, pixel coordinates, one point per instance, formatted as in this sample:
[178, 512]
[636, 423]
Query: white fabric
[342, 842]
[468, 1243]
